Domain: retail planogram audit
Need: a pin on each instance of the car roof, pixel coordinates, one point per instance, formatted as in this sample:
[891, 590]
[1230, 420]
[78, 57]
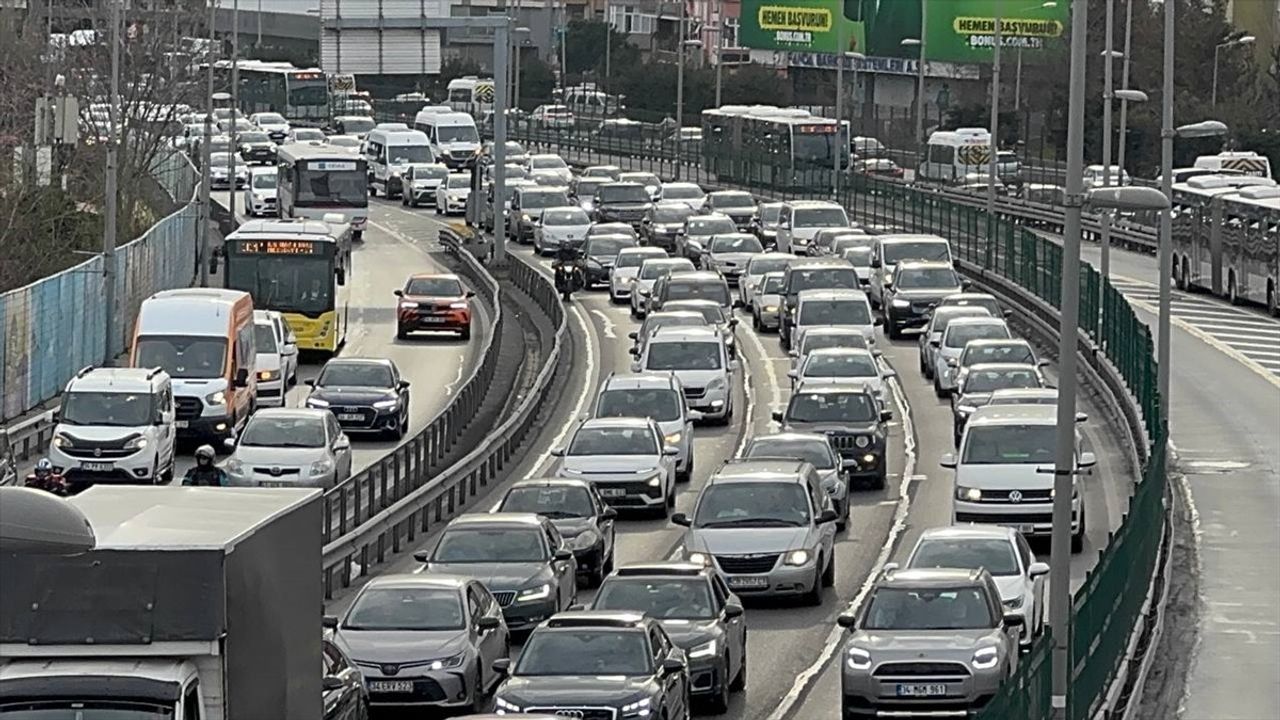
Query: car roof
[498, 519]
[790, 436]
[831, 294]
[675, 305]
[386, 362]
[428, 276]
[992, 342]
[697, 276]
[616, 422]
[686, 333]
[825, 261]
[820, 330]
[975, 320]
[621, 620]
[117, 379]
[294, 413]
[419, 580]
[746, 470]
[1045, 392]
[812, 204]
[923, 264]
[954, 299]
[891, 238]
[842, 387]
[931, 577]
[651, 380]
[656, 252]
[996, 415]
[710, 216]
[822, 352]
[550, 482]
[673, 261]
[999, 366]
[963, 532]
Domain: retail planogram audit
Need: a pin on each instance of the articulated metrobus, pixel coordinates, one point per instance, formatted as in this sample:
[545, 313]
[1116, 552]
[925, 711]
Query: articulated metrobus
[316, 181]
[785, 147]
[299, 267]
[1226, 238]
[300, 94]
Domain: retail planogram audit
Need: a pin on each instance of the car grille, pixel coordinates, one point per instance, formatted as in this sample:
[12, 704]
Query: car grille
[747, 564]
[188, 408]
[276, 471]
[1027, 496]
[920, 669]
[98, 449]
[578, 713]
[845, 443]
[268, 392]
[692, 393]
[1010, 518]
[505, 598]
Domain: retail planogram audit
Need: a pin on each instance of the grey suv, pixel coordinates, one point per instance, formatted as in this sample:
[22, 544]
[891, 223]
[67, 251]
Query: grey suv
[927, 641]
[768, 526]
[852, 419]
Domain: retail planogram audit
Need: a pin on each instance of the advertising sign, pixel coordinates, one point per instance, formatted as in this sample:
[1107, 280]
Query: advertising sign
[959, 31]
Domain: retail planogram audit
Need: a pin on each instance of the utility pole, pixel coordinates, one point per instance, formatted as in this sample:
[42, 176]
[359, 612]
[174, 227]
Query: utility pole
[1064, 451]
[608, 46]
[501, 46]
[1124, 83]
[1165, 260]
[206, 215]
[235, 110]
[680, 81]
[992, 171]
[839, 113]
[720, 49]
[110, 329]
[924, 32]
[1108, 83]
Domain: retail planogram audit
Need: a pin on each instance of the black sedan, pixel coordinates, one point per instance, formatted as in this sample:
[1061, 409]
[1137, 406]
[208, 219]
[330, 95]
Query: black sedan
[367, 395]
[583, 518]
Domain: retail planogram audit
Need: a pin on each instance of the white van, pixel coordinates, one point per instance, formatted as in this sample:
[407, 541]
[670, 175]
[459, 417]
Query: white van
[388, 153]
[115, 425]
[453, 137]
[953, 154]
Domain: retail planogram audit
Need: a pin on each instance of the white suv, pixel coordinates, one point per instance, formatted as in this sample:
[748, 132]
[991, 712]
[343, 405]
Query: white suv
[115, 426]
[699, 358]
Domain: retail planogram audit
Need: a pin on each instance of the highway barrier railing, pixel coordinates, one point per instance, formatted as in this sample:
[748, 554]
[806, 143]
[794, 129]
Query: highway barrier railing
[54, 327]
[1111, 608]
[407, 493]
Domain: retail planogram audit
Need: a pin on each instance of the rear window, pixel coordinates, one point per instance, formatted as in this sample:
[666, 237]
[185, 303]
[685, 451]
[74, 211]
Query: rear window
[714, 290]
[896, 252]
[820, 217]
[834, 312]
[957, 336]
[824, 278]
[544, 199]
[622, 194]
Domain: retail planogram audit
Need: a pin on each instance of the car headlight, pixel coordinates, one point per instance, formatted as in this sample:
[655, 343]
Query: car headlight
[900, 303]
[317, 403]
[408, 304]
[446, 663]
[387, 404]
[972, 494]
[639, 708]
[985, 658]
[674, 438]
[62, 441]
[862, 441]
[395, 175]
[585, 541]
[1015, 603]
[503, 706]
[771, 308]
[268, 374]
[136, 444]
[540, 592]
[525, 217]
[706, 649]
[320, 467]
[655, 481]
[234, 466]
[698, 558]
[857, 658]
[458, 306]
[216, 398]
[797, 557]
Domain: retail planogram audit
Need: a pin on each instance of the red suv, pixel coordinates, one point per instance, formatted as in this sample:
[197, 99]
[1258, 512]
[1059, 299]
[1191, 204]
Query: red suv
[434, 302]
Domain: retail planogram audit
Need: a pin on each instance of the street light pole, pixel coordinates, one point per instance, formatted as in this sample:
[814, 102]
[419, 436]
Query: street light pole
[680, 78]
[1124, 84]
[1064, 452]
[235, 110]
[992, 173]
[1244, 40]
[719, 48]
[1107, 101]
[924, 25]
[110, 328]
[1165, 252]
[206, 214]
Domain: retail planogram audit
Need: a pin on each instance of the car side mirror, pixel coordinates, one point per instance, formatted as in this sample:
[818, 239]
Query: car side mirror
[1014, 620]
[634, 335]
[733, 322]
[562, 555]
[674, 665]
[886, 415]
[733, 610]
[1088, 460]
[635, 352]
[242, 378]
[966, 284]
[502, 666]
[875, 263]
[793, 374]
[878, 321]
[331, 682]
[488, 622]
[398, 293]
[827, 516]
[948, 460]
[403, 385]
[470, 294]
[935, 343]
[777, 416]
[1038, 569]
[681, 519]
[635, 367]
[423, 557]
[341, 275]
[557, 452]
[309, 382]
[229, 444]
[848, 621]
[1042, 362]
[670, 450]
[329, 622]
[342, 443]
[889, 374]
[609, 514]
[953, 362]
[694, 415]
[738, 304]
[1082, 417]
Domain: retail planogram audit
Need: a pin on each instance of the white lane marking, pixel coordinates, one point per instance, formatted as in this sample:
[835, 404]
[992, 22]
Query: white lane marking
[748, 389]
[581, 404]
[448, 389]
[608, 324]
[836, 638]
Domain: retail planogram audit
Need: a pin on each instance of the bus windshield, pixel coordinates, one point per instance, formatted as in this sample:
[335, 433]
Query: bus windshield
[332, 188]
[288, 283]
[812, 148]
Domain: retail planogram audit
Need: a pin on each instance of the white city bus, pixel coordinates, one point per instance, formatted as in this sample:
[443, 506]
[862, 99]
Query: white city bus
[1226, 237]
[315, 182]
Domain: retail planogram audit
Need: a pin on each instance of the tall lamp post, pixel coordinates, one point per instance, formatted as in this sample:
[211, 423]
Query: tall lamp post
[919, 43]
[992, 174]
[1124, 85]
[110, 326]
[1125, 97]
[1243, 40]
[840, 148]
[235, 111]
[1108, 85]
[719, 48]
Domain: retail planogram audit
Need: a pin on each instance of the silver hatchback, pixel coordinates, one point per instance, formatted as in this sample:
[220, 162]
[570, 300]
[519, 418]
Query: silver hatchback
[658, 397]
[627, 459]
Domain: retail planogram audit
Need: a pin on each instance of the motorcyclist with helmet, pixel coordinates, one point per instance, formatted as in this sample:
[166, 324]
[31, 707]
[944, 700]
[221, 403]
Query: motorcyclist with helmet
[568, 275]
[205, 472]
[45, 478]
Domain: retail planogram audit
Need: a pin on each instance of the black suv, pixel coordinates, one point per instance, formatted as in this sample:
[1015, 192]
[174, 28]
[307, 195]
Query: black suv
[256, 147]
[852, 419]
[663, 223]
[599, 253]
[575, 507]
[811, 274]
[596, 665]
[917, 287]
[622, 202]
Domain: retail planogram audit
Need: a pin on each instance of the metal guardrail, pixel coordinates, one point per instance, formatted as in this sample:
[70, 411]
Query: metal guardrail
[413, 499]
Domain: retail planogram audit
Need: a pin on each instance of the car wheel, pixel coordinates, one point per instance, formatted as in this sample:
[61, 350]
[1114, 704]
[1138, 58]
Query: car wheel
[404, 201]
[401, 333]
[829, 573]
[465, 333]
[740, 680]
[1077, 540]
[719, 703]
[478, 695]
[882, 479]
[635, 315]
[683, 476]
[843, 523]
[937, 387]
[813, 598]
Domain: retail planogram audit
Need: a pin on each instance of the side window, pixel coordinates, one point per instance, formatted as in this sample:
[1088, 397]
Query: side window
[487, 603]
[191, 702]
[656, 643]
[475, 605]
[719, 592]
[1024, 551]
[245, 351]
[553, 537]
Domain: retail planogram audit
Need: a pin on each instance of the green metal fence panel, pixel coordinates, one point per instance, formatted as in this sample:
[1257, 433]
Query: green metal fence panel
[1025, 695]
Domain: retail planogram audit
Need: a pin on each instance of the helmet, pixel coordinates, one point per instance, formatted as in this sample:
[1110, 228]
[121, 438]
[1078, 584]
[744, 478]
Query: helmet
[204, 455]
[44, 466]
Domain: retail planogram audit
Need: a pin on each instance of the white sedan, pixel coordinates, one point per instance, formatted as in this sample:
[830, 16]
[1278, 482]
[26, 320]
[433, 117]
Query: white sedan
[452, 194]
[840, 365]
[560, 226]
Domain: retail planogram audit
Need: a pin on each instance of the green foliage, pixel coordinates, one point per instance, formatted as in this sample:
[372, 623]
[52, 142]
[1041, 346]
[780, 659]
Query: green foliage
[46, 235]
[537, 79]
[585, 49]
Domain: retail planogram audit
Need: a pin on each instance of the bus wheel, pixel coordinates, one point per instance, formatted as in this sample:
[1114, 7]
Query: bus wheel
[1273, 302]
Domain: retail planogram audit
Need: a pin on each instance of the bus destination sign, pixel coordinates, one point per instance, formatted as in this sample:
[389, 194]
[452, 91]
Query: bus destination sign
[332, 165]
[824, 129]
[279, 247]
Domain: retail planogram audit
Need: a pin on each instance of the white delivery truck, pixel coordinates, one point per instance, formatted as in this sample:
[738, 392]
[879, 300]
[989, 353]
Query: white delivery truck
[196, 603]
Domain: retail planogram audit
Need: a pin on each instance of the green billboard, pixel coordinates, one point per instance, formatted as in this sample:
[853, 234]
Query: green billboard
[961, 31]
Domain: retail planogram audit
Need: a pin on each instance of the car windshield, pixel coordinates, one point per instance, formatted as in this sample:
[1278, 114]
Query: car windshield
[996, 555]
[663, 405]
[767, 263]
[732, 200]
[585, 653]
[307, 134]
[422, 609]
[457, 181]
[222, 159]
[817, 340]
[352, 374]
[659, 598]
[655, 270]
[684, 356]
[284, 431]
[567, 216]
[820, 217]
[986, 303]
[769, 213]
[896, 252]
[457, 134]
[816, 452]
[543, 199]
[979, 380]
[264, 181]
[634, 259]
[736, 244]
[928, 609]
[834, 312]
[709, 226]
[711, 314]
[1009, 445]
[434, 287]
[771, 284]
[553, 501]
[927, 278]
[675, 318]
[613, 441]
[753, 504]
[403, 154]
[358, 125]
[646, 179]
[858, 256]
[682, 192]
[182, 357]
[264, 338]
[106, 408]
[250, 138]
[825, 278]
[271, 119]
[831, 407]
[975, 354]
[700, 289]
[611, 193]
[543, 162]
[430, 172]
[958, 335]
[608, 247]
[491, 545]
[848, 364]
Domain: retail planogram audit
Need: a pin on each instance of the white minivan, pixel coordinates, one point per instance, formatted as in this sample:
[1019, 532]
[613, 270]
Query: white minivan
[800, 220]
[453, 137]
[389, 153]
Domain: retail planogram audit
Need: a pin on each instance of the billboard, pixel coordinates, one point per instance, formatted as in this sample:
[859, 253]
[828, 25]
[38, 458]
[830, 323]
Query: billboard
[960, 31]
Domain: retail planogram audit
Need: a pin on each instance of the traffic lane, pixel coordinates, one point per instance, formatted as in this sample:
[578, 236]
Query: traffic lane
[1105, 496]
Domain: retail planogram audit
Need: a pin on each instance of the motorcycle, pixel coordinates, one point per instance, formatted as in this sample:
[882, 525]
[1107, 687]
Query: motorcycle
[566, 280]
[53, 483]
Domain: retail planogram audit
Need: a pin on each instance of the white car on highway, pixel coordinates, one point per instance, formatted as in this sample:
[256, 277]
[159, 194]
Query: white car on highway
[684, 192]
[627, 267]
[558, 226]
[289, 447]
[958, 334]
[273, 124]
[270, 361]
[260, 192]
[837, 366]
[548, 163]
[452, 194]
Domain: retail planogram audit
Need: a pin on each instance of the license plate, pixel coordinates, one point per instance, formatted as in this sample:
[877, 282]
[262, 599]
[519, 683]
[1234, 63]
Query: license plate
[386, 686]
[181, 424]
[921, 690]
[1026, 529]
[612, 492]
[96, 466]
[272, 484]
[748, 581]
[435, 320]
[350, 416]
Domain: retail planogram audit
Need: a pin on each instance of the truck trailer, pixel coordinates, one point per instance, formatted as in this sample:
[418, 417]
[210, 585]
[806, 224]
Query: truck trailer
[195, 604]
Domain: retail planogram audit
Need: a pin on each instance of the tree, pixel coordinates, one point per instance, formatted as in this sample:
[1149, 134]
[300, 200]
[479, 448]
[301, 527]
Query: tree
[537, 81]
[585, 49]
